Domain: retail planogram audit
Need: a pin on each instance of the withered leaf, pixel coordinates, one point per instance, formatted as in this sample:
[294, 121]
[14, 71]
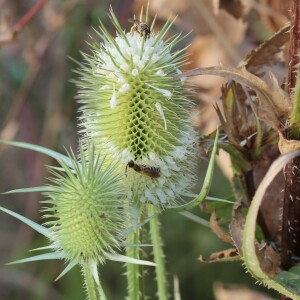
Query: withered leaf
[221, 256]
[217, 230]
[286, 146]
[274, 103]
[236, 227]
[264, 55]
[268, 259]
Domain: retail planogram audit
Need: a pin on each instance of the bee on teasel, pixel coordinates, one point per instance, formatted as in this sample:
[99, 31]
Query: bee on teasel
[135, 109]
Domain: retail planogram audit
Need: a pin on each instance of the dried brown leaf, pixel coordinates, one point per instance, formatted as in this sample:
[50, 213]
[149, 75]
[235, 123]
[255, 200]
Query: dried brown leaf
[286, 146]
[268, 259]
[274, 103]
[236, 227]
[221, 256]
[265, 54]
[217, 230]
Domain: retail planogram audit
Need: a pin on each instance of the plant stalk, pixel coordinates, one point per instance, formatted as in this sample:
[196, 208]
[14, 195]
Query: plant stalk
[91, 286]
[159, 257]
[133, 270]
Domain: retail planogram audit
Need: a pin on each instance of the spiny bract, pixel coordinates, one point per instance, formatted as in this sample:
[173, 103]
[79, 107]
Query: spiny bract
[135, 108]
[85, 209]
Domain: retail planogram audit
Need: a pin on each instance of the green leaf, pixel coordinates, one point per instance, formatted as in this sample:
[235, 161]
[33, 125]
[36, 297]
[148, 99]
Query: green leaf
[206, 184]
[208, 198]
[39, 228]
[126, 259]
[40, 189]
[136, 245]
[50, 247]
[290, 279]
[40, 149]
[249, 251]
[194, 218]
[46, 256]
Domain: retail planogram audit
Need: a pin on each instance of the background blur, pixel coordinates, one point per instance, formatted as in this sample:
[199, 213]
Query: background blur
[38, 106]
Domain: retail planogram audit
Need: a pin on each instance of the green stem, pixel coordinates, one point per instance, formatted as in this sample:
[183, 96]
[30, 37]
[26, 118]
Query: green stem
[90, 283]
[206, 183]
[159, 257]
[133, 269]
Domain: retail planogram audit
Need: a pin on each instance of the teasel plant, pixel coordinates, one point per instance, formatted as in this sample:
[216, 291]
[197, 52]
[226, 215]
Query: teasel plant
[85, 213]
[138, 113]
[137, 159]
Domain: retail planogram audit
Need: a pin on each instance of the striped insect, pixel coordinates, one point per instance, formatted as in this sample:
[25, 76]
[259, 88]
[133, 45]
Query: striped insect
[152, 172]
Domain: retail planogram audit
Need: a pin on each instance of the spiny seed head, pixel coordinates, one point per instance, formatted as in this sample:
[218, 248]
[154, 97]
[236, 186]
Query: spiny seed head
[136, 109]
[85, 209]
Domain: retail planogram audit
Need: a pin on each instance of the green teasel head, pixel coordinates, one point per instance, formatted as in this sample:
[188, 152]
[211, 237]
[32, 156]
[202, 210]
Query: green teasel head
[136, 109]
[85, 208]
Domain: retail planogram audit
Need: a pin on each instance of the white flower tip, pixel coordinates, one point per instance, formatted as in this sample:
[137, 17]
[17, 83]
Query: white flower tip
[113, 100]
[124, 88]
[160, 73]
[105, 87]
[152, 155]
[161, 112]
[183, 79]
[166, 93]
[134, 72]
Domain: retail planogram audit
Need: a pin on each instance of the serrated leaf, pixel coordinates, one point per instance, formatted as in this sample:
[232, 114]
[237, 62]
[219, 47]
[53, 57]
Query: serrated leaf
[126, 259]
[46, 256]
[265, 53]
[39, 228]
[249, 249]
[274, 102]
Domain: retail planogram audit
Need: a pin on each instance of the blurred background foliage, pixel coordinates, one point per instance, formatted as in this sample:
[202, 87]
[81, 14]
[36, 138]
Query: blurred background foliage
[38, 106]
